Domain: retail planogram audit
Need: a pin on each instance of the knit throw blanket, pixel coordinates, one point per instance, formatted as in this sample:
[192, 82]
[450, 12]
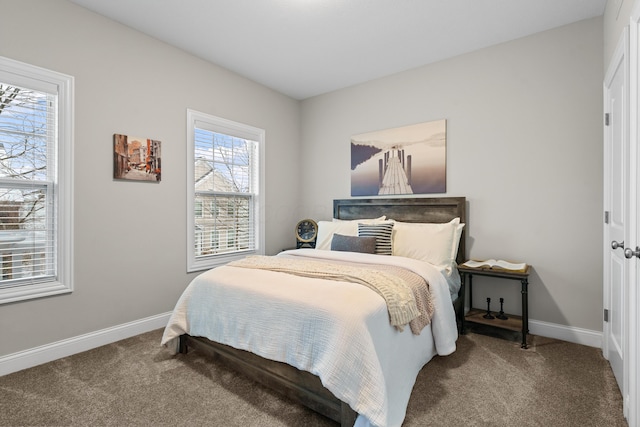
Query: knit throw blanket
[395, 284]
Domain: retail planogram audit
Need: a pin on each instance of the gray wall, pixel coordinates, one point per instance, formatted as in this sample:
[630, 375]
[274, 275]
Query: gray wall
[524, 145]
[130, 244]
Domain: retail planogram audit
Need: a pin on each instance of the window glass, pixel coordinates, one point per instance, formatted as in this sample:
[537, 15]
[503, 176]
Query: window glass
[226, 190]
[35, 139]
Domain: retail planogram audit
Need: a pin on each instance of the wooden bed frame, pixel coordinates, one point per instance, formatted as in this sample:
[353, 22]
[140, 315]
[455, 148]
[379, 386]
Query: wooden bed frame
[304, 387]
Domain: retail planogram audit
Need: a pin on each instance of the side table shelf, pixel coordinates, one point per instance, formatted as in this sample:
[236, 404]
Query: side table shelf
[514, 326]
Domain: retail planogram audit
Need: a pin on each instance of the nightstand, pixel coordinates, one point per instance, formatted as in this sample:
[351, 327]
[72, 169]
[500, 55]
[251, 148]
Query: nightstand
[514, 326]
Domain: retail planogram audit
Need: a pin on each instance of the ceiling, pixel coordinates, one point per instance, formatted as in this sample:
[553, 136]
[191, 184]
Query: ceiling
[303, 48]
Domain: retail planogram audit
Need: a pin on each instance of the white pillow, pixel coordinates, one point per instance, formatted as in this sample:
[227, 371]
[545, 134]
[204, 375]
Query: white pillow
[326, 230]
[430, 242]
[456, 241]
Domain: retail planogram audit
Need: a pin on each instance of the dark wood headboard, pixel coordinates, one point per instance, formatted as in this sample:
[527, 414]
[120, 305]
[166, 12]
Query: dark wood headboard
[424, 209]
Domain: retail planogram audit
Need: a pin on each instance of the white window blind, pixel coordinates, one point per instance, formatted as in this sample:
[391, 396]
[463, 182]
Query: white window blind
[225, 190]
[34, 197]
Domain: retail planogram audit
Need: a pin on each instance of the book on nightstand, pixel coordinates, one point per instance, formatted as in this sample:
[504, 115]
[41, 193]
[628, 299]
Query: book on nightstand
[496, 264]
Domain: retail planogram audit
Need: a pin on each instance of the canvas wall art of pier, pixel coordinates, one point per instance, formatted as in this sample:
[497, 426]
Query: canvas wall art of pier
[403, 160]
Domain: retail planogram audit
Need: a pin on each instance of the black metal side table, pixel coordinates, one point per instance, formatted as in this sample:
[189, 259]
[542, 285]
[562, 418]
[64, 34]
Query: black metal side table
[475, 316]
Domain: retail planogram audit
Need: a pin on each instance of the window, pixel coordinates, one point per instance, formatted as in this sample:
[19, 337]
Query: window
[36, 125]
[225, 191]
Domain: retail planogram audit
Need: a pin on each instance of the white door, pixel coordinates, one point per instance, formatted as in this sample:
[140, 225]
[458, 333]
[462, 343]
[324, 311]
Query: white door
[616, 168]
[631, 394]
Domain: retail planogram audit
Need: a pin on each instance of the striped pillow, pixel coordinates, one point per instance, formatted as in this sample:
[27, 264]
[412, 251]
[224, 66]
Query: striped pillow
[382, 233]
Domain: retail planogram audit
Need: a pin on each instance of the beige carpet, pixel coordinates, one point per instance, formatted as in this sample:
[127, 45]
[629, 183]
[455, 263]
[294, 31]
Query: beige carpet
[486, 382]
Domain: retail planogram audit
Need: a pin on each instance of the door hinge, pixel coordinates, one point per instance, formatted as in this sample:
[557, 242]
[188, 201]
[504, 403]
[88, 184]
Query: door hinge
[606, 315]
[606, 217]
[606, 119]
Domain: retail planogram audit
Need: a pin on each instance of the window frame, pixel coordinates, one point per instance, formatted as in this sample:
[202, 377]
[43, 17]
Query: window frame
[240, 130]
[33, 77]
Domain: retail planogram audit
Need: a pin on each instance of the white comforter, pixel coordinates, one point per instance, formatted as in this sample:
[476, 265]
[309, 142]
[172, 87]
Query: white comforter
[338, 331]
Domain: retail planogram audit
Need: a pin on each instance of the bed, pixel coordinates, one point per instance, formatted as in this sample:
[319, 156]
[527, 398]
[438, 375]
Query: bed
[309, 357]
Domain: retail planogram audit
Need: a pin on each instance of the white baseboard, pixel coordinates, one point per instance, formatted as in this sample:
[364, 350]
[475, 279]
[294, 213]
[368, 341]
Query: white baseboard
[566, 333]
[49, 352]
[562, 332]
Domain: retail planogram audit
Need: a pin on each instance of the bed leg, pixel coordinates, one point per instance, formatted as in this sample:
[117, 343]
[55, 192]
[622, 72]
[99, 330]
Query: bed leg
[347, 416]
[460, 306]
[182, 346]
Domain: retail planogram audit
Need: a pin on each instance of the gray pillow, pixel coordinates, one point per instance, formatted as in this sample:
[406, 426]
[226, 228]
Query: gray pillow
[366, 245]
